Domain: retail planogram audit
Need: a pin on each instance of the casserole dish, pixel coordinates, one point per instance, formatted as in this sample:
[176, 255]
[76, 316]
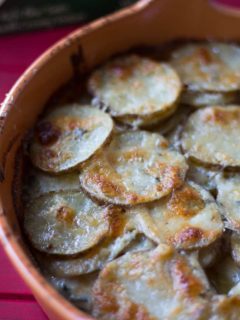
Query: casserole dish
[145, 23]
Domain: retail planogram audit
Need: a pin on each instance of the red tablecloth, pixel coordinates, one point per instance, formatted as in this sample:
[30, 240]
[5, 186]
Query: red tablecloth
[16, 54]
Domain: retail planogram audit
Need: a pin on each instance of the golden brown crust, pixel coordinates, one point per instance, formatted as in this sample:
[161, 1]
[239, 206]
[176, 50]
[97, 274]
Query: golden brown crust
[136, 167]
[186, 201]
[204, 136]
[65, 223]
[159, 284]
[68, 136]
[189, 218]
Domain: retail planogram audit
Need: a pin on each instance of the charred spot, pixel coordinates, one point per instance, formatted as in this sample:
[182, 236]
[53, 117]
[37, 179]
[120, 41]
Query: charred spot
[46, 133]
[65, 214]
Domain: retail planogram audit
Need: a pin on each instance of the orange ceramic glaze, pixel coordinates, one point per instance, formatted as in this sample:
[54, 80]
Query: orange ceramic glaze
[149, 22]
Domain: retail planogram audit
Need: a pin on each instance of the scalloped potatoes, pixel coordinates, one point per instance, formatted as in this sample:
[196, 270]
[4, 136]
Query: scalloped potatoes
[131, 224]
[136, 167]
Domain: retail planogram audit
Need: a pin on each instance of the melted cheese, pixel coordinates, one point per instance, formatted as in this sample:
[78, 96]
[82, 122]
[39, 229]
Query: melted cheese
[208, 67]
[211, 136]
[136, 167]
[65, 223]
[68, 136]
[157, 284]
[229, 198]
[136, 90]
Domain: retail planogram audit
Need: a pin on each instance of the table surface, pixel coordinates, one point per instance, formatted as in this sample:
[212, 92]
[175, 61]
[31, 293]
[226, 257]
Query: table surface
[17, 52]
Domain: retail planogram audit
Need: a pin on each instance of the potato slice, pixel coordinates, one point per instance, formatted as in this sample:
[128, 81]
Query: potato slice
[211, 136]
[201, 99]
[65, 223]
[229, 198]
[156, 284]
[189, 218]
[77, 289]
[136, 167]
[208, 66]
[94, 259]
[39, 183]
[136, 90]
[68, 136]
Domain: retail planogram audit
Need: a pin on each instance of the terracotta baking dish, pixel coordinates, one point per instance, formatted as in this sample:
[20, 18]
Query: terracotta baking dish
[149, 22]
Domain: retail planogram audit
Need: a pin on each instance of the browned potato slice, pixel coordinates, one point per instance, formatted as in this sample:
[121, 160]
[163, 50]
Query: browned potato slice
[189, 218]
[136, 167]
[211, 136]
[208, 66]
[201, 99]
[68, 136]
[40, 183]
[92, 260]
[136, 90]
[156, 284]
[65, 223]
[229, 197]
